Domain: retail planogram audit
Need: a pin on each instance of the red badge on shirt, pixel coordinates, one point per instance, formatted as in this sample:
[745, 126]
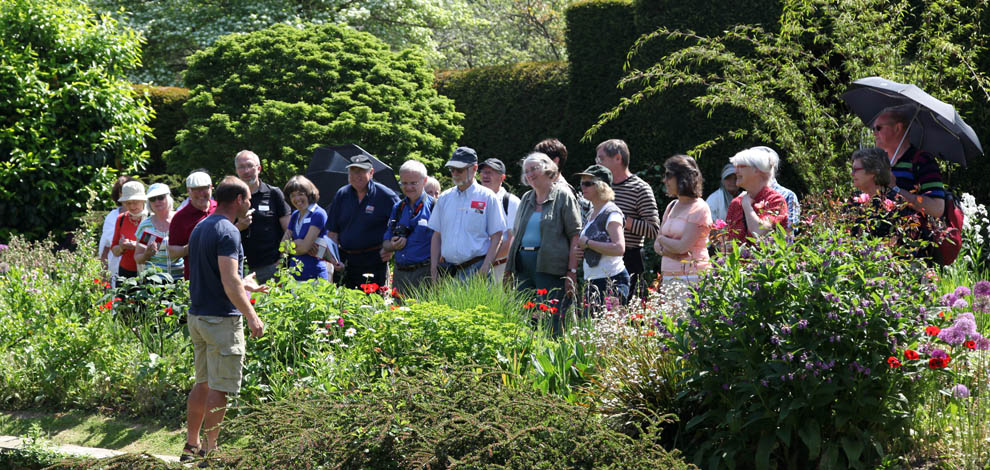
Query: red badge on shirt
[479, 205]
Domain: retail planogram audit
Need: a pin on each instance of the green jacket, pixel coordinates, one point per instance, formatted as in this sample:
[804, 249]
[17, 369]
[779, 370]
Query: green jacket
[560, 221]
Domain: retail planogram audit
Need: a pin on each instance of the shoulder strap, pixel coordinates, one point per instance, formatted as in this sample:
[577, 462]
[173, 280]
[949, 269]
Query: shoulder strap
[505, 203]
[666, 211]
[120, 219]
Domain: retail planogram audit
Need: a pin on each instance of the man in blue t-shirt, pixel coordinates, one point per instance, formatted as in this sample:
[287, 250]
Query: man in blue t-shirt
[218, 298]
[408, 234]
[356, 220]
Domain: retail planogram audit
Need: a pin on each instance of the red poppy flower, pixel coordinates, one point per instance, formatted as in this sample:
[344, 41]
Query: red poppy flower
[253, 300]
[541, 292]
[970, 344]
[369, 288]
[893, 362]
[637, 316]
[543, 307]
[934, 363]
[941, 314]
[106, 285]
[553, 309]
[529, 305]
[396, 294]
[650, 333]
[933, 330]
[168, 310]
[911, 355]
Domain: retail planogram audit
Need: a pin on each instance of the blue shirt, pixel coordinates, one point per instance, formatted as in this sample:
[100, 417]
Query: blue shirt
[793, 207]
[312, 267]
[361, 225]
[415, 215]
[213, 237]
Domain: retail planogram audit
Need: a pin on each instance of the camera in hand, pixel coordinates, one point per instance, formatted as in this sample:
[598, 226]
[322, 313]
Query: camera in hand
[401, 231]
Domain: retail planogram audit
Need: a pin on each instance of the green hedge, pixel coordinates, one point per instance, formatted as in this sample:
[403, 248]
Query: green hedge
[169, 119]
[508, 109]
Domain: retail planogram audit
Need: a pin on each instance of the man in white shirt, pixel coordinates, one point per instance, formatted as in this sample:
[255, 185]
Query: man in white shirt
[467, 222]
[492, 172]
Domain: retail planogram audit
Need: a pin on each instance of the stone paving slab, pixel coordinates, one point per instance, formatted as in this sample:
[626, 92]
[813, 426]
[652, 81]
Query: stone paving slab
[13, 442]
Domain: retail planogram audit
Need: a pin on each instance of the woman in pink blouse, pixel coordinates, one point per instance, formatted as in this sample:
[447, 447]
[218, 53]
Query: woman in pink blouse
[683, 240]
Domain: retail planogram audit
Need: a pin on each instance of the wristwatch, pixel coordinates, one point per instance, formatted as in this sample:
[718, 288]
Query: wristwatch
[896, 189]
[573, 270]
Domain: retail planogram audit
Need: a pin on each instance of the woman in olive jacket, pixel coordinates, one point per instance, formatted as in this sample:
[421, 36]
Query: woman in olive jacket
[547, 227]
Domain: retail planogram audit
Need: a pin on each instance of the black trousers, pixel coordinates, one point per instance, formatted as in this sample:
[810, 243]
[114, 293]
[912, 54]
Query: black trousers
[633, 259]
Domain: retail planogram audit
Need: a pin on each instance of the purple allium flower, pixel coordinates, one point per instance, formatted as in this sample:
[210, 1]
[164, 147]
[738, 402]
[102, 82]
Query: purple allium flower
[961, 291]
[939, 354]
[802, 324]
[982, 343]
[982, 288]
[785, 330]
[948, 299]
[952, 335]
[960, 391]
[960, 303]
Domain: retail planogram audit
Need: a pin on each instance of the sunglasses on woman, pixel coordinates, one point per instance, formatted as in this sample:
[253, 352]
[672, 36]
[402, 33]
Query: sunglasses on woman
[588, 183]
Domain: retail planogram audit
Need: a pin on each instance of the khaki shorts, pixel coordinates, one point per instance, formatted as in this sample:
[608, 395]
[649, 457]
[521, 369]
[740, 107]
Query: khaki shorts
[218, 349]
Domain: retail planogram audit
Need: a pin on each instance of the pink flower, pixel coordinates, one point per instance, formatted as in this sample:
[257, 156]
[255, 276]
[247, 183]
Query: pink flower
[863, 198]
[760, 205]
[719, 224]
[889, 205]
[340, 321]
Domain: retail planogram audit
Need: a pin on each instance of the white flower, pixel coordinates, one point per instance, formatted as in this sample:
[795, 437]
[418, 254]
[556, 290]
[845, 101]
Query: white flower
[350, 332]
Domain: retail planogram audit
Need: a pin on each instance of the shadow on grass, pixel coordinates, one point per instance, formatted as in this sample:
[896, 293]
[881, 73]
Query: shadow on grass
[94, 430]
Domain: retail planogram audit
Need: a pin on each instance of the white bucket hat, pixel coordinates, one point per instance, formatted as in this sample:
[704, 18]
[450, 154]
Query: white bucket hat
[132, 191]
[198, 179]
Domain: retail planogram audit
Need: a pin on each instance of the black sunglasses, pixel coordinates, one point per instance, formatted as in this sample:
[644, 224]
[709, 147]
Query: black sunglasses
[588, 183]
[157, 198]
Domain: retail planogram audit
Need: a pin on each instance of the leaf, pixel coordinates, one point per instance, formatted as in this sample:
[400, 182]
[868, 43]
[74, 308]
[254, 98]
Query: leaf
[767, 443]
[853, 449]
[811, 435]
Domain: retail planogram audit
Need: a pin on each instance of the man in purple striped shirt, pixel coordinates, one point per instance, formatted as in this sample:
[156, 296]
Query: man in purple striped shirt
[915, 171]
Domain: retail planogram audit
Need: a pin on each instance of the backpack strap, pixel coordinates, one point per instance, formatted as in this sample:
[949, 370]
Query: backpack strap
[505, 204]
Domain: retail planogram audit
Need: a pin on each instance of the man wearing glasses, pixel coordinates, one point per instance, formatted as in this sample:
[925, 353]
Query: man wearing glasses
[915, 172]
[262, 229]
[408, 234]
[467, 222]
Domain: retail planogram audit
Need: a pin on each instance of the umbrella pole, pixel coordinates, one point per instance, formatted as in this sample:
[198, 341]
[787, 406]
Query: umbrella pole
[907, 131]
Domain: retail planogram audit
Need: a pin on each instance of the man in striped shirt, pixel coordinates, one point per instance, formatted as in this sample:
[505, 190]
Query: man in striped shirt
[916, 172]
[635, 197]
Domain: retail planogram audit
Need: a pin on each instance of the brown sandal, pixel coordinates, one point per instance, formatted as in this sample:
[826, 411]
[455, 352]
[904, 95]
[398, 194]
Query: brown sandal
[190, 452]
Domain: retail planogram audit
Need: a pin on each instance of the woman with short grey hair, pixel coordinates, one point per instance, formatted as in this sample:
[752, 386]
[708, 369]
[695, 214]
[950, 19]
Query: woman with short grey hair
[548, 221]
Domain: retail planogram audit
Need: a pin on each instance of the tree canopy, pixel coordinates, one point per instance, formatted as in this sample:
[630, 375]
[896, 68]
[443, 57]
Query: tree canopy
[790, 81]
[68, 116]
[284, 91]
[450, 33]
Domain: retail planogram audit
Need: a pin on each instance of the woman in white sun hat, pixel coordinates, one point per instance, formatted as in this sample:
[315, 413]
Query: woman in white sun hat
[152, 233]
[125, 230]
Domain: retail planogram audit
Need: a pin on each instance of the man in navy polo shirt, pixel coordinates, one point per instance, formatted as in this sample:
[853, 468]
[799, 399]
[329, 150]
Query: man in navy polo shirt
[357, 220]
[408, 234]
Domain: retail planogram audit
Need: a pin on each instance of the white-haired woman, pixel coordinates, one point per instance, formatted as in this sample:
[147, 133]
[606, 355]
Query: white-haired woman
[124, 240]
[758, 209]
[602, 243]
[152, 233]
[542, 255]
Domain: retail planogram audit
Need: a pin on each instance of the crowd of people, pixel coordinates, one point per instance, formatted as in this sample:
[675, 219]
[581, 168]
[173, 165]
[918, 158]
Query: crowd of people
[595, 223]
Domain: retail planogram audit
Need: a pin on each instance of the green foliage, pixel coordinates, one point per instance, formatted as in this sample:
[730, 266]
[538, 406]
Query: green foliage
[63, 344]
[786, 350]
[168, 121]
[598, 34]
[35, 452]
[66, 113]
[459, 417]
[789, 81]
[450, 34]
[525, 101]
[284, 91]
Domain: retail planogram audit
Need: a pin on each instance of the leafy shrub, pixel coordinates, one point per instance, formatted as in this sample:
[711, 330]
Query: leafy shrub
[169, 119]
[523, 100]
[787, 350]
[67, 113]
[284, 91]
[461, 418]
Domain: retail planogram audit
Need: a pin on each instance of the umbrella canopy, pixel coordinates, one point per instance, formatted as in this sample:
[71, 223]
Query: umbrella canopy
[328, 170]
[936, 128]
